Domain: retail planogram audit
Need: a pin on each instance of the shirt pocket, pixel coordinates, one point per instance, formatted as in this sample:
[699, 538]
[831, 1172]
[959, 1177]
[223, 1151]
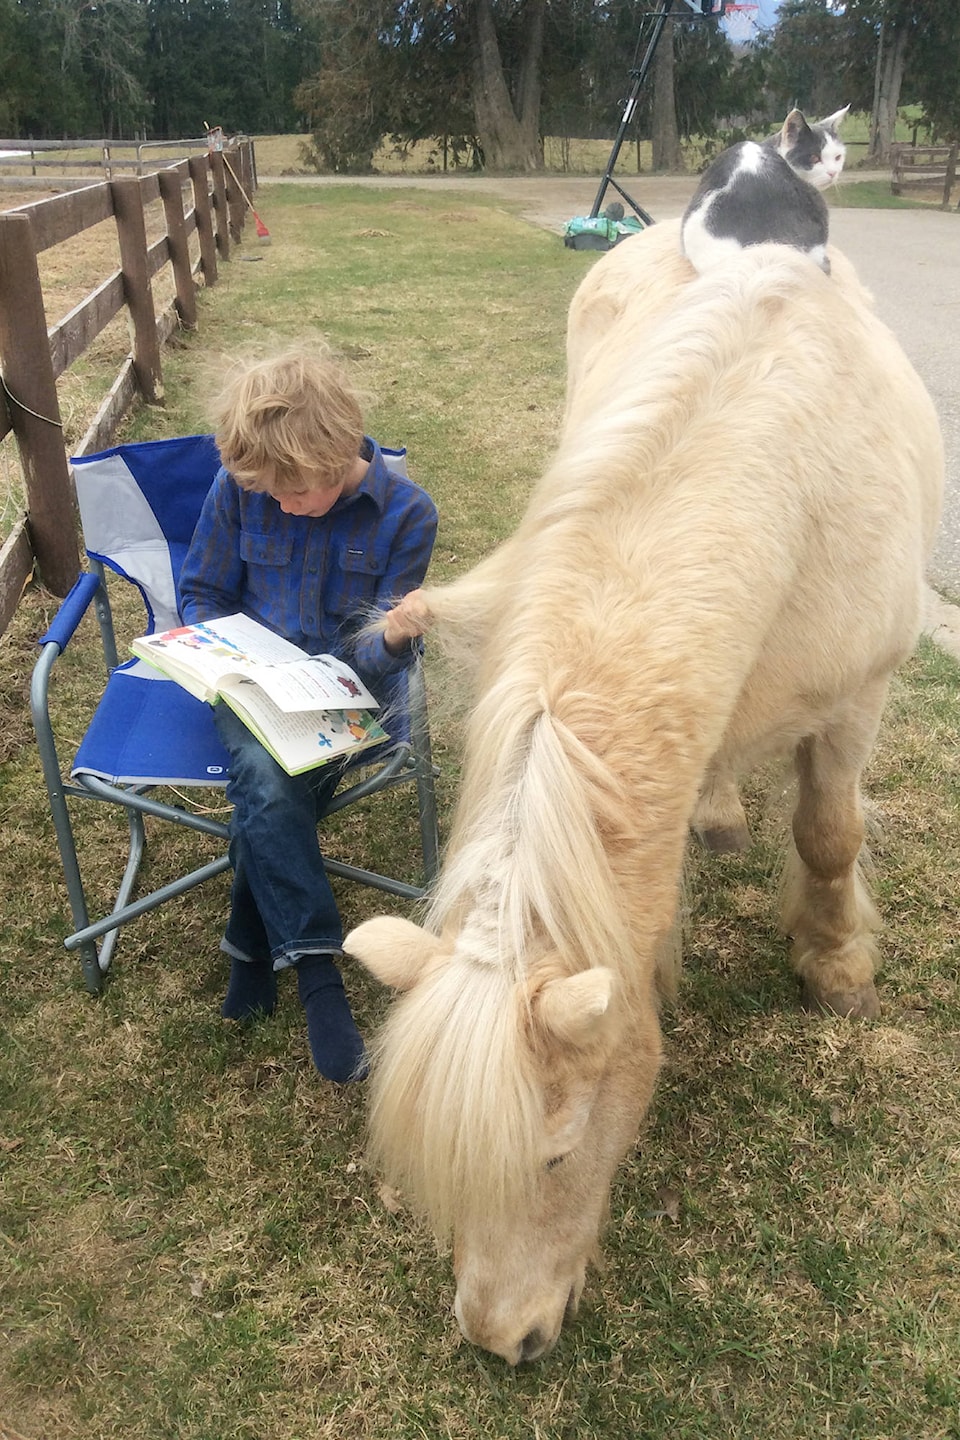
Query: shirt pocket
[258, 548]
[355, 576]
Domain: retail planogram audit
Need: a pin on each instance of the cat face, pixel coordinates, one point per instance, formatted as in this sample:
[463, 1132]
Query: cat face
[815, 152]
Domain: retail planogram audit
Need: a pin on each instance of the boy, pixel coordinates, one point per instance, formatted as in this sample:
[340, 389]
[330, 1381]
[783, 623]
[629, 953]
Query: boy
[306, 530]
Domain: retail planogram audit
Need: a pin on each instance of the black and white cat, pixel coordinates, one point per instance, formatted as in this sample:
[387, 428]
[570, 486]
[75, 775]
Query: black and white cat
[757, 193]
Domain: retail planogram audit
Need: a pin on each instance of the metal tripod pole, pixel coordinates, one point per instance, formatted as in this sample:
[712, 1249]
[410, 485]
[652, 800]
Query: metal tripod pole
[638, 76]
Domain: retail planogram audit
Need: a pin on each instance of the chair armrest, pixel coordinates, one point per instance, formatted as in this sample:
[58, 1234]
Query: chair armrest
[52, 645]
[71, 612]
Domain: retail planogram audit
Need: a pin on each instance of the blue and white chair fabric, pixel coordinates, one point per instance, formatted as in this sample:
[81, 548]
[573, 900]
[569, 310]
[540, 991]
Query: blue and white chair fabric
[139, 504]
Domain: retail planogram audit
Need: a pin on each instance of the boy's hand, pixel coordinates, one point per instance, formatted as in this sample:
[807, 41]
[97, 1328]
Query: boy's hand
[406, 622]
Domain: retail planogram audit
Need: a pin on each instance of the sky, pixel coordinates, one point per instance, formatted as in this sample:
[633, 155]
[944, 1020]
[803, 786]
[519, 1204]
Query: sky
[767, 13]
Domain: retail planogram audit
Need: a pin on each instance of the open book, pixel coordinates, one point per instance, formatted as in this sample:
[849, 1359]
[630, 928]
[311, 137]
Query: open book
[305, 709]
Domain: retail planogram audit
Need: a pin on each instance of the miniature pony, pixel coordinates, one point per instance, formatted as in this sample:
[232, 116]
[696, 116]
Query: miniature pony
[724, 561]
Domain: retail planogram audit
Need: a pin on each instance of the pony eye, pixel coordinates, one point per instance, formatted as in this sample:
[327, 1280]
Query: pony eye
[554, 1162]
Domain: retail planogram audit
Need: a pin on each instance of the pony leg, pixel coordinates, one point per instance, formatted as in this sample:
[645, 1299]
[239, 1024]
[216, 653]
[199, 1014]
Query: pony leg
[719, 820]
[826, 905]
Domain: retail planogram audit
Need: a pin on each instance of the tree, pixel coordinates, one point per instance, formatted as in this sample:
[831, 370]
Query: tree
[666, 134]
[16, 84]
[871, 54]
[112, 36]
[346, 100]
[397, 67]
[807, 61]
[892, 39]
[709, 83]
[507, 115]
[934, 72]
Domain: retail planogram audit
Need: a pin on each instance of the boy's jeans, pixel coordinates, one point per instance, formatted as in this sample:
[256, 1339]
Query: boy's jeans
[282, 906]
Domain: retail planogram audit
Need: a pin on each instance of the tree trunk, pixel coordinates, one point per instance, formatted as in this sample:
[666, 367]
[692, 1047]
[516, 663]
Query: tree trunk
[890, 64]
[666, 133]
[509, 129]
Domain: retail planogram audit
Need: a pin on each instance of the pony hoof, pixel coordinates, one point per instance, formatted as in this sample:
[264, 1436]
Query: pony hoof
[724, 839]
[860, 1004]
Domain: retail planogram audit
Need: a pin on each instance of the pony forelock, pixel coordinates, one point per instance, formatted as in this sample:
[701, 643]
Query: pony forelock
[455, 1116]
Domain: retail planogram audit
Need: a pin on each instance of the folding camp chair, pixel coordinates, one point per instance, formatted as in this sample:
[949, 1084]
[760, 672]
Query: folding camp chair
[139, 504]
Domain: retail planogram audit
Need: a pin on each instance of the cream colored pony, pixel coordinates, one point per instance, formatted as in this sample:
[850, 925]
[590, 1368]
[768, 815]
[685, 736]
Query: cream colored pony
[724, 561]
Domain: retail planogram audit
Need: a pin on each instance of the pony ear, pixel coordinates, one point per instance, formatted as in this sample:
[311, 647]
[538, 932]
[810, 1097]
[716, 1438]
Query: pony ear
[395, 951]
[576, 1010]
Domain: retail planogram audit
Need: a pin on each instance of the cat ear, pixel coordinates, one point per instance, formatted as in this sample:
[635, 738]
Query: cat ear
[793, 128]
[831, 122]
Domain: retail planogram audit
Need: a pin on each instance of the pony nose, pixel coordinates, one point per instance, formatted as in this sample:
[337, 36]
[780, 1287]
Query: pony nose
[532, 1346]
[536, 1342]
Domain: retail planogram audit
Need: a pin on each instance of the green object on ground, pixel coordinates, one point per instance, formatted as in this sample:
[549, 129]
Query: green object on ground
[597, 232]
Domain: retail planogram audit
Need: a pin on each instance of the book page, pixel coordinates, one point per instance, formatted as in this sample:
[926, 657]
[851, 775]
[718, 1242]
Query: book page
[318, 683]
[219, 654]
[245, 641]
[213, 649]
[298, 740]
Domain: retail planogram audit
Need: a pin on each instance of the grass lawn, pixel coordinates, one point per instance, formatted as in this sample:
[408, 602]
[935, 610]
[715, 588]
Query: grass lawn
[191, 1245]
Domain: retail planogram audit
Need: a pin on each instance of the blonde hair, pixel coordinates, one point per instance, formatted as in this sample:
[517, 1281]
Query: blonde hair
[287, 417]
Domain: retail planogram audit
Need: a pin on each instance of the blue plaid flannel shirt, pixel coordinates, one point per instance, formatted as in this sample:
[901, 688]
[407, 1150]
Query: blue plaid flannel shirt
[313, 580]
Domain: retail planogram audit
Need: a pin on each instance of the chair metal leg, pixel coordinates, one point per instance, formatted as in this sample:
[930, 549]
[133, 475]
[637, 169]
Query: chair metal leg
[56, 792]
[137, 805]
[138, 844]
[116, 918]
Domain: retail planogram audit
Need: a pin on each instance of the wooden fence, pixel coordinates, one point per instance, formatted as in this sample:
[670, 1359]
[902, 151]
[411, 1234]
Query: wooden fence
[45, 539]
[24, 162]
[925, 165]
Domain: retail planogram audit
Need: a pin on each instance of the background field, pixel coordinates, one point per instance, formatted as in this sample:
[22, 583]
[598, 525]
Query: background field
[191, 1244]
[286, 155]
[278, 155]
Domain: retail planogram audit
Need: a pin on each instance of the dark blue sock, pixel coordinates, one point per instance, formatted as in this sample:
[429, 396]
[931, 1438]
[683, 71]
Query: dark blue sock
[252, 990]
[335, 1042]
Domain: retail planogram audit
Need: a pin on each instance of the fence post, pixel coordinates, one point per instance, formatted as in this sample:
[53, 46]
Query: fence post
[236, 205]
[34, 409]
[171, 193]
[220, 203]
[132, 235]
[197, 165]
[949, 179]
[247, 178]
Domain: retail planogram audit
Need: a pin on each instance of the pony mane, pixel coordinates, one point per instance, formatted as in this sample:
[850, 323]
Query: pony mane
[527, 868]
[456, 1118]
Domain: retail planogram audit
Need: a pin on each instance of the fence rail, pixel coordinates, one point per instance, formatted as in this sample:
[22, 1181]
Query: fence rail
[925, 165]
[20, 156]
[33, 356]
